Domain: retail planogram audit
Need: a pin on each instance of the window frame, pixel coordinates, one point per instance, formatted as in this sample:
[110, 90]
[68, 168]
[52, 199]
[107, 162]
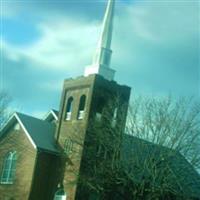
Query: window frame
[69, 107]
[9, 168]
[81, 107]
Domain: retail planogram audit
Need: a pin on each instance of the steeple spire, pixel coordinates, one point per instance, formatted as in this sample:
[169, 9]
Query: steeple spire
[106, 35]
[102, 57]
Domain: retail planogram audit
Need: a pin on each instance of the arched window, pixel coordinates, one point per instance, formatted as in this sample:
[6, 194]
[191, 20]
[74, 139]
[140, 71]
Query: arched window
[9, 168]
[69, 108]
[81, 109]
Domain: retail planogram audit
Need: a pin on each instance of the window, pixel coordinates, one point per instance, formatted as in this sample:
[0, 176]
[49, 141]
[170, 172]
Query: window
[100, 108]
[9, 168]
[69, 108]
[17, 127]
[81, 109]
[60, 194]
[68, 146]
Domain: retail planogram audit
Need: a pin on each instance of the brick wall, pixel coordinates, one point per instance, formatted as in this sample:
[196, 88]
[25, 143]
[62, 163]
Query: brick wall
[74, 129]
[16, 140]
[94, 87]
[46, 176]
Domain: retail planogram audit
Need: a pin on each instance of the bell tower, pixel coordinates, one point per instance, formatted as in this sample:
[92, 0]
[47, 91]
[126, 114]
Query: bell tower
[83, 100]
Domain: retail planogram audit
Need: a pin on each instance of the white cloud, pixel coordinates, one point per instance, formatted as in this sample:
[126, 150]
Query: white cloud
[53, 85]
[68, 45]
[161, 21]
[155, 41]
[147, 36]
[63, 45]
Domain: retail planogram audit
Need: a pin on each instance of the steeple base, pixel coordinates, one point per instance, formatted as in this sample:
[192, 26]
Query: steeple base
[102, 70]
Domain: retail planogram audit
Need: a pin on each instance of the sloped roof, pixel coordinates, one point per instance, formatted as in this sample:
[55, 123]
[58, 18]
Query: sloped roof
[40, 132]
[51, 115]
[180, 175]
[56, 112]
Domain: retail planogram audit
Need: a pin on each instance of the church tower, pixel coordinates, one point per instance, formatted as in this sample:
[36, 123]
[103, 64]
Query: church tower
[83, 101]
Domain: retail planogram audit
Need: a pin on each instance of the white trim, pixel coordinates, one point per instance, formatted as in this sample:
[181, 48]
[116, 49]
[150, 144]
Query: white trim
[55, 116]
[81, 114]
[26, 132]
[50, 112]
[6, 183]
[10, 159]
[68, 116]
[8, 121]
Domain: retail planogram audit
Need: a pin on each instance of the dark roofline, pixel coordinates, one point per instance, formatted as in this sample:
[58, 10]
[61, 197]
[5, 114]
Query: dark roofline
[21, 119]
[53, 113]
[10, 122]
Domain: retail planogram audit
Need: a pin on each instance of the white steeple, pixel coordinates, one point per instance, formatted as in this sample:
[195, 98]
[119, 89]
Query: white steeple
[102, 57]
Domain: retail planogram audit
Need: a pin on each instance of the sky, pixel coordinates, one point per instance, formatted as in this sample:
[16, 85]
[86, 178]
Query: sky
[155, 47]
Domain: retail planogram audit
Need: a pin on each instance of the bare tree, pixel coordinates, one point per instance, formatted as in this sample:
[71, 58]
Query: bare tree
[173, 123]
[149, 160]
[168, 148]
[4, 102]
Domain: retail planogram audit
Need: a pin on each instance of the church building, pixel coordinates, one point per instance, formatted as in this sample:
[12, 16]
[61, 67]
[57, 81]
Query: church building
[30, 148]
[43, 159]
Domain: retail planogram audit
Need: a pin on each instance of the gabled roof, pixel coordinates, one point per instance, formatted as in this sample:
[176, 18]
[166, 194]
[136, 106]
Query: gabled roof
[55, 112]
[51, 115]
[178, 172]
[39, 132]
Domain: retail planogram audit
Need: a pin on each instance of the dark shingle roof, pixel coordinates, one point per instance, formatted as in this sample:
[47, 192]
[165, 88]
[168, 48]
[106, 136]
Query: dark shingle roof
[51, 116]
[41, 132]
[171, 165]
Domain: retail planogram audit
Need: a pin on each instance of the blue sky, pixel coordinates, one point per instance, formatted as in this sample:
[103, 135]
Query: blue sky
[155, 47]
